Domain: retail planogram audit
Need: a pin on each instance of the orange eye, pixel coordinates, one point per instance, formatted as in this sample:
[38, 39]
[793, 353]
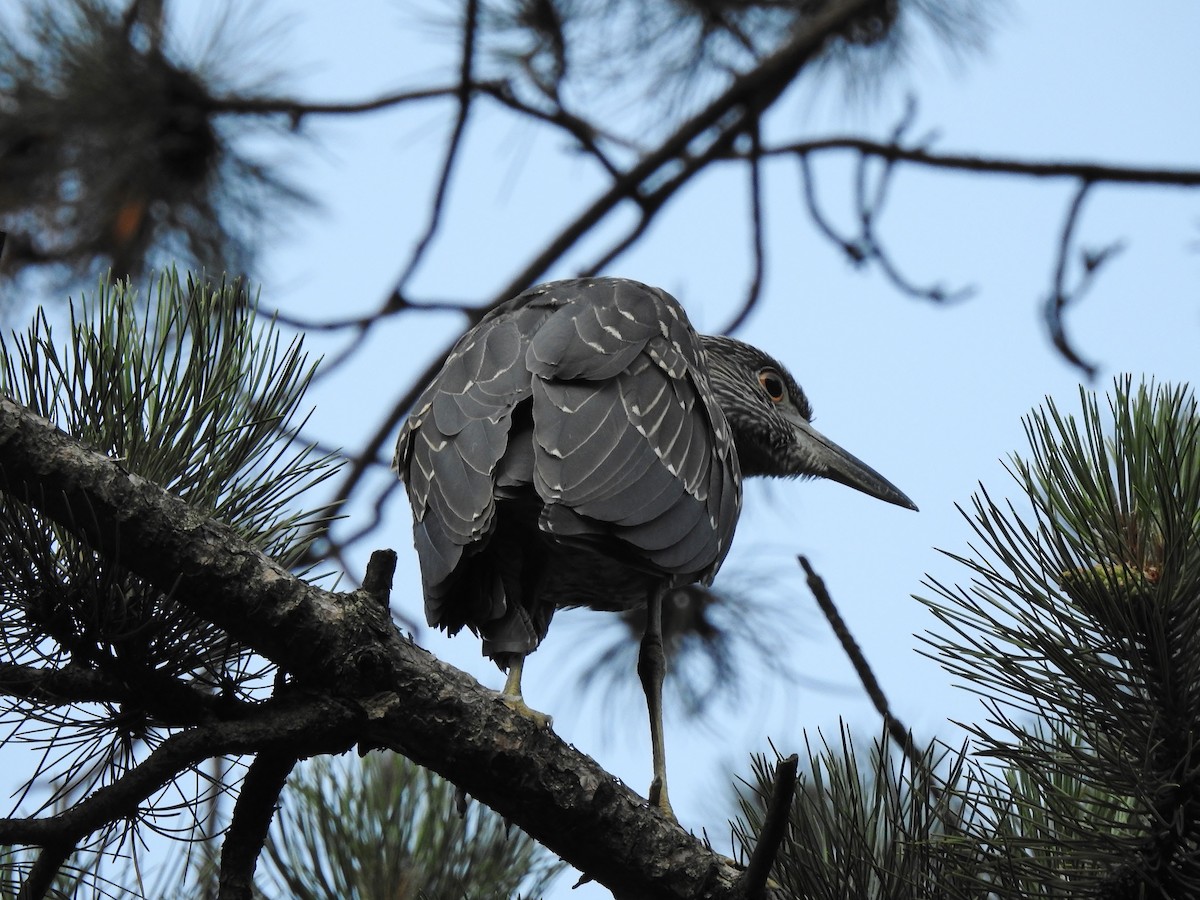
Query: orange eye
[773, 384]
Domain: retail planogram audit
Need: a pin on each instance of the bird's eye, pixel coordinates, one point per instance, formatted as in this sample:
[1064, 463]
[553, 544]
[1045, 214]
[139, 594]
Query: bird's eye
[772, 383]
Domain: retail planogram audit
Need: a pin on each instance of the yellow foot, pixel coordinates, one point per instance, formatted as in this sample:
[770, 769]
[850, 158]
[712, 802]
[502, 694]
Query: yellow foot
[658, 799]
[517, 704]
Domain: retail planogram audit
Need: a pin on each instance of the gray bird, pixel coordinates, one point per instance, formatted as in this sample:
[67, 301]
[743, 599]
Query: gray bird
[584, 446]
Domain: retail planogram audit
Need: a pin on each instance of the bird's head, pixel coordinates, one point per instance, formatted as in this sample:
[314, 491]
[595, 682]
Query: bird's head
[771, 421]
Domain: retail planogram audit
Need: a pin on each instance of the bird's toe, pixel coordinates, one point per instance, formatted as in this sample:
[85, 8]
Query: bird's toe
[518, 705]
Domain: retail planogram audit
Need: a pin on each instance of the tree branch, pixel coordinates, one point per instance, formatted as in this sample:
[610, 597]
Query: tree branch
[70, 684]
[865, 247]
[584, 132]
[465, 96]
[753, 882]
[1077, 169]
[305, 726]
[167, 701]
[1059, 297]
[45, 869]
[298, 109]
[862, 668]
[251, 820]
[758, 88]
[714, 128]
[377, 686]
[757, 239]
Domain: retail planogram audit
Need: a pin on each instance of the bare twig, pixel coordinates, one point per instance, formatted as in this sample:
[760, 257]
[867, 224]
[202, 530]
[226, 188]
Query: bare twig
[753, 882]
[864, 247]
[862, 668]
[1086, 174]
[1059, 298]
[397, 303]
[45, 869]
[757, 243]
[252, 814]
[853, 250]
[465, 95]
[870, 208]
[586, 133]
[1089, 171]
[297, 109]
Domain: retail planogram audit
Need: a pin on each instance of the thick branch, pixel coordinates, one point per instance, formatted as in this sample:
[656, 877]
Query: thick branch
[345, 645]
[44, 870]
[70, 684]
[757, 89]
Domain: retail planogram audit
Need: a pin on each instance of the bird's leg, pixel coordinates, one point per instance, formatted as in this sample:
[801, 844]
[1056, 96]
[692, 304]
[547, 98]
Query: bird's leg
[511, 695]
[652, 667]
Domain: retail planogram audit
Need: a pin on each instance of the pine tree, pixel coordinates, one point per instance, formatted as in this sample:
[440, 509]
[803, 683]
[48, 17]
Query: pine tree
[168, 665]
[1078, 628]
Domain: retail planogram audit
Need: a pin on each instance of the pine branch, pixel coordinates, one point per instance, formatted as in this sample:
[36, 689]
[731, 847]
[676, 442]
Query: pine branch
[899, 733]
[715, 129]
[754, 90]
[754, 881]
[1081, 611]
[390, 692]
[252, 816]
[307, 725]
[1081, 170]
[168, 701]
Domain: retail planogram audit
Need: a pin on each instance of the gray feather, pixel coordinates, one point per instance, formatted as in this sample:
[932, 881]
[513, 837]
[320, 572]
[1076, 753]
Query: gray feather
[622, 452]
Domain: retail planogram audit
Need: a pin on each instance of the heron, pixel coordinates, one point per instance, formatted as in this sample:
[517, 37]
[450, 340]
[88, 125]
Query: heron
[583, 445]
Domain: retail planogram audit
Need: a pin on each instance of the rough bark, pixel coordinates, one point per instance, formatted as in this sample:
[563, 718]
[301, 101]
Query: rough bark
[344, 647]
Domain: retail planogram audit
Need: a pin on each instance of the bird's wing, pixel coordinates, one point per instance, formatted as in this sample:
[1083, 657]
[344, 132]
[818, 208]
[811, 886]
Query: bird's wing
[631, 451]
[452, 443]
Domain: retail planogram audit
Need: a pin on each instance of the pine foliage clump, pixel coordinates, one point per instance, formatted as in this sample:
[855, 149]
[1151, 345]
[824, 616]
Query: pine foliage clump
[1079, 628]
[191, 391]
[117, 150]
[383, 827]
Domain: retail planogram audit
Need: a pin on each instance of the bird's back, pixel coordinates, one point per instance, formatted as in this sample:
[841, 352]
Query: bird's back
[570, 452]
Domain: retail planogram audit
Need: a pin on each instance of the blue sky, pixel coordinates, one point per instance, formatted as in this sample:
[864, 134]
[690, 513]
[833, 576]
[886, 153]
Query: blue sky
[931, 397]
